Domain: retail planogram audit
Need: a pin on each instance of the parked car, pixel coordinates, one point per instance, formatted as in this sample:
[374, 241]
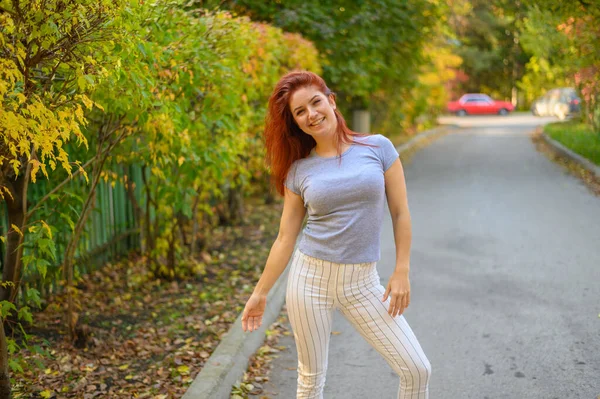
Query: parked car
[560, 102]
[477, 103]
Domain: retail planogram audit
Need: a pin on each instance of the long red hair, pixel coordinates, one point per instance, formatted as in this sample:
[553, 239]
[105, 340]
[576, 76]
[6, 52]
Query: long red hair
[285, 142]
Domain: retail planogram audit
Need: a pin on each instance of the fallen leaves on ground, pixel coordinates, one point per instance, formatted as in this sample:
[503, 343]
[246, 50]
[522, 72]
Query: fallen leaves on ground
[148, 338]
[260, 364]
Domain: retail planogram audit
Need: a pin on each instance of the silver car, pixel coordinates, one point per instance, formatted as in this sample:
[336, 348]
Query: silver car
[561, 103]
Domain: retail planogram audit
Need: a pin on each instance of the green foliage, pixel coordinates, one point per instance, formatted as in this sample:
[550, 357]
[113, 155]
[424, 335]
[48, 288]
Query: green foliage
[46, 71]
[489, 42]
[415, 107]
[365, 46]
[194, 113]
[540, 76]
[565, 41]
[577, 136]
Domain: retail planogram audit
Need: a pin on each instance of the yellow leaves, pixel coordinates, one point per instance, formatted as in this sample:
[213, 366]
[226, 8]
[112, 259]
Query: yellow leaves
[183, 370]
[47, 228]
[35, 166]
[86, 101]
[79, 115]
[156, 171]
[46, 394]
[16, 165]
[124, 367]
[82, 171]
[21, 54]
[20, 98]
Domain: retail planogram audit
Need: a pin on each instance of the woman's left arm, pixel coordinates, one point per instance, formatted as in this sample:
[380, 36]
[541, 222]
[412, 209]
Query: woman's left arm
[398, 287]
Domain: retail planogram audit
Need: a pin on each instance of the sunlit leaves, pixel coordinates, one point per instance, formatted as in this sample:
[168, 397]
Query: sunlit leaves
[45, 64]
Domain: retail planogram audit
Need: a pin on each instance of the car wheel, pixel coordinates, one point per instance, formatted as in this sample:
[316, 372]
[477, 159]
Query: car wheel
[461, 112]
[503, 111]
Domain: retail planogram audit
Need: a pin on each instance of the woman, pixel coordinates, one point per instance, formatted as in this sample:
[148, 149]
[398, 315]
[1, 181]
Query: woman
[339, 177]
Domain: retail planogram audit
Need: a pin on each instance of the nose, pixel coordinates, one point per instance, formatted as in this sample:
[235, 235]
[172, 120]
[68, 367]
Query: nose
[312, 114]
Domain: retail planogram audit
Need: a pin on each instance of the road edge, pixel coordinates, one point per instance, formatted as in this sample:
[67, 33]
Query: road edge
[573, 156]
[227, 364]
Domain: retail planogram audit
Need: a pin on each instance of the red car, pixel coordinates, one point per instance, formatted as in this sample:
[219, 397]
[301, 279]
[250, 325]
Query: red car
[474, 104]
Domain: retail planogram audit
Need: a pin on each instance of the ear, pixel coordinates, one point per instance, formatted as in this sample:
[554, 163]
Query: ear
[332, 101]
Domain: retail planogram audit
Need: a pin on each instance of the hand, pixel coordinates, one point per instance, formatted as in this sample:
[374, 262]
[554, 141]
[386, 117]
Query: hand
[399, 288]
[253, 312]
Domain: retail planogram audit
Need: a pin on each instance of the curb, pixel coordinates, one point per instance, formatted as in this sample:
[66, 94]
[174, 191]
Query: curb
[227, 364]
[570, 154]
[427, 134]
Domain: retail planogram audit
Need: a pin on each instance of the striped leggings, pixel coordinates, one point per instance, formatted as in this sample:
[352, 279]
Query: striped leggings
[315, 287]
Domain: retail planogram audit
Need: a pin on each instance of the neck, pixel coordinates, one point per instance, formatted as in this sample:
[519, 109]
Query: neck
[327, 146]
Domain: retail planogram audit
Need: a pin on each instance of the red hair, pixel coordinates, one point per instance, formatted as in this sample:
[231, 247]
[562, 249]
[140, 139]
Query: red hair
[285, 142]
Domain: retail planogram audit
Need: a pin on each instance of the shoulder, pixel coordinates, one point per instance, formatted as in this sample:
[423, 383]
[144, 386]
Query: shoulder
[300, 165]
[375, 138]
[380, 139]
[376, 142]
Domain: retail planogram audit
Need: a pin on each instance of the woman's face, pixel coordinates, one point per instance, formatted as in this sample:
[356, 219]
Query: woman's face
[313, 111]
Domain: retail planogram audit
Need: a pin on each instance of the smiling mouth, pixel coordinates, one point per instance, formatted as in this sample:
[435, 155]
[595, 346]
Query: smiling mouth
[318, 122]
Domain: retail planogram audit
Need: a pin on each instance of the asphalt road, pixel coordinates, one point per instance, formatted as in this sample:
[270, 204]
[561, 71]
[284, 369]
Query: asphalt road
[505, 275]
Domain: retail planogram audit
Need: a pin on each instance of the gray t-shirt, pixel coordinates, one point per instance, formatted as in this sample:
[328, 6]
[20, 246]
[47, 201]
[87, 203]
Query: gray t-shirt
[344, 202]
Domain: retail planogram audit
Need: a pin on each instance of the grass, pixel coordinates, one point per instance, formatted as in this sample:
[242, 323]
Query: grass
[577, 137]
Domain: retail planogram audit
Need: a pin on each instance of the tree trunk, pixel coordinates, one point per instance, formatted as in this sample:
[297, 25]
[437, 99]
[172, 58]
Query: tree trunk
[361, 121]
[171, 253]
[68, 263]
[269, 196]
[5, 392]
[235, 205]
[194, 226]
[16, 216]
[137, 210]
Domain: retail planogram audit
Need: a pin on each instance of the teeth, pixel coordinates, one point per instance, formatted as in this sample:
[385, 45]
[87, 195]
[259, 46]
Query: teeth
[318, 123]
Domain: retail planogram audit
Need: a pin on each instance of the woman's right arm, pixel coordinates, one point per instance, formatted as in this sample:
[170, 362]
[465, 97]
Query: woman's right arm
[281, 251]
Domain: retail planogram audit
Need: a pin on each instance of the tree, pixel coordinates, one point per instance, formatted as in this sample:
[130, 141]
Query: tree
[366, 46]
[46, 70]
[565, 39]
[488, 41]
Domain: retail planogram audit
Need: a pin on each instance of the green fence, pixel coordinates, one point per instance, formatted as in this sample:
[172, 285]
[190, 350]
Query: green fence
[111, 230]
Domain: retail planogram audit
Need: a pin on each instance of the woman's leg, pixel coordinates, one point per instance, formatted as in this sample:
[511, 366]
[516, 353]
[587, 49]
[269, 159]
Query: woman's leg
[309, 303]
[361, 303]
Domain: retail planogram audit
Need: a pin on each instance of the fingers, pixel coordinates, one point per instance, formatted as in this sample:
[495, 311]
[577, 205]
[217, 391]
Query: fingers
[398, 304]
[250, 323]
[387, 292]
[252, 315]
[255, 323]
[245, 321]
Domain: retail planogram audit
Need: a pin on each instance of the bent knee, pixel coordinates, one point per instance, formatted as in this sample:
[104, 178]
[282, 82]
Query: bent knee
[416, 375]
[421, 372]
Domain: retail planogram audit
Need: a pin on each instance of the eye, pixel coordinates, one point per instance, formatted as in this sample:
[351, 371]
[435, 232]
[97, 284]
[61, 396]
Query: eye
[299, 112]
[317, 101]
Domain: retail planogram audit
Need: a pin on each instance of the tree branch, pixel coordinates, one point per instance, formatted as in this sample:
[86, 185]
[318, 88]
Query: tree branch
[79, 171]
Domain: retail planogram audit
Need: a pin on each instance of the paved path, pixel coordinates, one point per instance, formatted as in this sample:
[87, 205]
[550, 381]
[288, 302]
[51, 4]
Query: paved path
[505, 276]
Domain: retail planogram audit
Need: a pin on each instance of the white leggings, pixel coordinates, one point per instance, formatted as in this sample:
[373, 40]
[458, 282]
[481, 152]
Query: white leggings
[315, 287]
